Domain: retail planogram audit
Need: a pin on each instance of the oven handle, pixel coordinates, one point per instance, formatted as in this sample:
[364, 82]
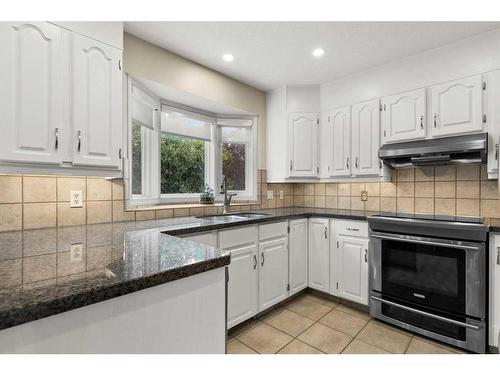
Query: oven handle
[423, 242]
[403, 307]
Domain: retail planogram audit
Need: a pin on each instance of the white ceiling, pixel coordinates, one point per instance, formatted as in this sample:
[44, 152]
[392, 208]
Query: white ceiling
[270, 54]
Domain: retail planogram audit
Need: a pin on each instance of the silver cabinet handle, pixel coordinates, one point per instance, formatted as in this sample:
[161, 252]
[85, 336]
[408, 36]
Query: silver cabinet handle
[56, 145]
[366, 255]
[353, 229]
[347, 162]
[435, 119]
[254, 261]
[79, 134]
[496, 151]
[326, 230]
[498, 255]
[380, 164]
[461, 324]
[120, 153]
[262, 263]
[421, 122]
[356, 162]
[291, 165]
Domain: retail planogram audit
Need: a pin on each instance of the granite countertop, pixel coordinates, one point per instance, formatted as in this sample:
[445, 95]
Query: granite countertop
[41, 276]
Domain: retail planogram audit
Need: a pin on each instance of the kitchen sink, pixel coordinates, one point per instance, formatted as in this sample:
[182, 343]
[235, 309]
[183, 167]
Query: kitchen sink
[231, 217]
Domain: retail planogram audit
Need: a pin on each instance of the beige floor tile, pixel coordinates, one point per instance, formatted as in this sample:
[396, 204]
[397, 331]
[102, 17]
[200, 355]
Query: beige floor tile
[298, 347]
[243, 327]
[352, 311]
[265, 339]
[422, 346]
[325, 338]
[359, 347]
[290, 322]
[308, 308]
[343, 322]
[392, 340]
[321, 300]
[236, 347]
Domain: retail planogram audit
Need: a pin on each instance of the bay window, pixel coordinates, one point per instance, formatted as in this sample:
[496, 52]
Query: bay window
[175, 152]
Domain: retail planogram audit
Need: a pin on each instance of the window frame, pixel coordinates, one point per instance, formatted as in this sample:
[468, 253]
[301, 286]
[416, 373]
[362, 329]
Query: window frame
[151, 158]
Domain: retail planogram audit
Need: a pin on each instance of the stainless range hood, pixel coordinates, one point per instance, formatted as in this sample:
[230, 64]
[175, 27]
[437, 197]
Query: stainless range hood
[464, 149]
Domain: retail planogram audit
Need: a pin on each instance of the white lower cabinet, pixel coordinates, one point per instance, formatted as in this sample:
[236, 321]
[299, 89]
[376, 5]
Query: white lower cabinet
[349, 263]
[494, 323]
[243, 273]
[319, 254]
[273, 271]
[299, 255]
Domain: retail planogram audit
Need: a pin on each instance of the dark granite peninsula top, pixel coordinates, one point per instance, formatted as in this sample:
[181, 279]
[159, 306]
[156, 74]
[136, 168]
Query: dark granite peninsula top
[43, 273]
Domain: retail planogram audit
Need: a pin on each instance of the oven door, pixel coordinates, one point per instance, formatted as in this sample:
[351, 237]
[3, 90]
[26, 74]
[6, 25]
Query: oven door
[442, 275]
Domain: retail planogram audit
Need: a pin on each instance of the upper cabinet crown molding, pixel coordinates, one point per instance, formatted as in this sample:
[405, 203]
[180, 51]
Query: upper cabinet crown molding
[403, 116]
[109, 32]
[456, 107]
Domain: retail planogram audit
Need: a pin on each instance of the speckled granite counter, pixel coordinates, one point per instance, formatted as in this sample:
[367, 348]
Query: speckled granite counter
[40, 275]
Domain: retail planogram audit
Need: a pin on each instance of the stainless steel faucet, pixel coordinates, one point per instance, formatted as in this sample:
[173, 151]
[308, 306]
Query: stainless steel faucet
[227, 196]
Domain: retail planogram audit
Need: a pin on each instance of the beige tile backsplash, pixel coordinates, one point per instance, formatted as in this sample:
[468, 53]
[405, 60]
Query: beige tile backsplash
[31, 202]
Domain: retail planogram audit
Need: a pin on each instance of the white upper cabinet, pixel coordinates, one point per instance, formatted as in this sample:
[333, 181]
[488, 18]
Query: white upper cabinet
[303, 144]
[32, 92]
[298, 254]
[97, 103]
[319, 257]
[492, 94]
[365, 138]
[339, 141]
[404, 116]
[456, 107]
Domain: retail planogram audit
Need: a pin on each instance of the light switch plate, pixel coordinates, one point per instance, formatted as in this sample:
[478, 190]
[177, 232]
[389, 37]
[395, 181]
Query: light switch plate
[76, 252]
[76, 199]
[270, 194]
[282, 194]
[364, 195]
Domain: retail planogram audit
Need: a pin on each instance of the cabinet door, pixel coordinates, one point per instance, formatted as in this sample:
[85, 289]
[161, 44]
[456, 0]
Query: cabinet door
[298, 244]
[273, 272]
[403, 116]
[319, 257]
[242, 286]
[352, 269]
[494, 334]
[493, 120]
[303, 144]
[365, 139]
[457, 107]
[339, 122]
[32, 92]
[97, 103]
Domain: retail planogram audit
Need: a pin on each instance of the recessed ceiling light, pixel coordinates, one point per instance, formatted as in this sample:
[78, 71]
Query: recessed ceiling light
[318, 52]
[227, 57]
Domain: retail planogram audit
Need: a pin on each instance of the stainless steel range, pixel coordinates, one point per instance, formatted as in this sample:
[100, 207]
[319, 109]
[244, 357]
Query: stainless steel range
[428, 275]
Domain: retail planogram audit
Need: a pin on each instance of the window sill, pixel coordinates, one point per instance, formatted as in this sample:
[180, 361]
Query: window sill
[187, 205]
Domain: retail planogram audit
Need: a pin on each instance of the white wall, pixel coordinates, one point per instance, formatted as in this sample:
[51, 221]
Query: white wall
[470, 56]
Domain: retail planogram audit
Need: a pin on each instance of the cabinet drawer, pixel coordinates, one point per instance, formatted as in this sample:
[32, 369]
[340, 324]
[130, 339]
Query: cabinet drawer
[352, 228]
[236, 237]
[273, 230]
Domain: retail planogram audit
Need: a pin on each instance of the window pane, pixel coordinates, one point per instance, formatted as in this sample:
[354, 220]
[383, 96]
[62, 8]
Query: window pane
[136, 159]
[233, 165]
[182, 165]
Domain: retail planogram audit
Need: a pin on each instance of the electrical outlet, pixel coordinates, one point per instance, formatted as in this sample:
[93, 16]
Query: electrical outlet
[76, 252]
[270, 194]
[75, 198]
[364, 195]
[282, 194]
